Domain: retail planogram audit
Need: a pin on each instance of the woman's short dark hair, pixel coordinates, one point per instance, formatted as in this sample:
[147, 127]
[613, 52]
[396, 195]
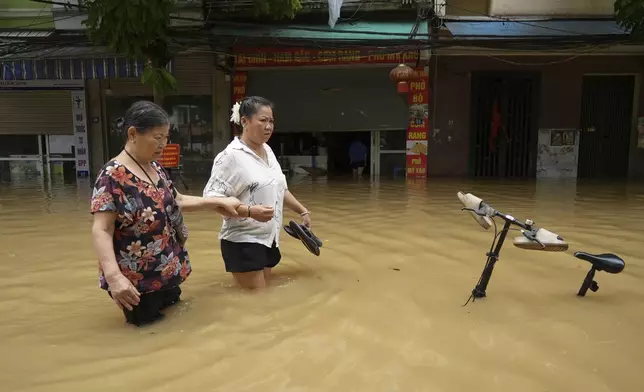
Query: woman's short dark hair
[143, 116]
[251, 105]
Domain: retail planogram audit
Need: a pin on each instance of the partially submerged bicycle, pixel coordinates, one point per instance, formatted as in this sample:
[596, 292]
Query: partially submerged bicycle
[532, 238]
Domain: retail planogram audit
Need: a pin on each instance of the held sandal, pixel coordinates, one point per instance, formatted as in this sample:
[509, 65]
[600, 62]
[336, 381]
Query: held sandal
[304, 234]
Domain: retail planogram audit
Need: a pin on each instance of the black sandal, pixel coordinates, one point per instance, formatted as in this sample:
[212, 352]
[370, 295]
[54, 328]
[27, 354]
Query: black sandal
[304, 234]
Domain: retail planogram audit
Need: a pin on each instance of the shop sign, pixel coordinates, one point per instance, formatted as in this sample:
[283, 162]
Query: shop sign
[418, 129]
[80, 133]
[306, 57]
[169, 158]
[240, 82]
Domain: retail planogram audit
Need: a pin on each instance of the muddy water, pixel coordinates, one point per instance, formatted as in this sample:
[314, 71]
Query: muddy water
[379, 310]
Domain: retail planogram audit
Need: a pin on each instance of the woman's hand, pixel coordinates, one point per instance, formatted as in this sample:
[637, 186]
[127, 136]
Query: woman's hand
[262, 213]
[306, 220]
[123, 292]
[227, 206]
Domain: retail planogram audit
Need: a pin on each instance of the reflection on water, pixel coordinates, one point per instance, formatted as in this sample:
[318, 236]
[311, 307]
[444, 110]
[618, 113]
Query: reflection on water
[379, 310]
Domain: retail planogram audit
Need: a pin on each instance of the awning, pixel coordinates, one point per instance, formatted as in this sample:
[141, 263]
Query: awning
[534, 29]
[409, 31]
[69, 63]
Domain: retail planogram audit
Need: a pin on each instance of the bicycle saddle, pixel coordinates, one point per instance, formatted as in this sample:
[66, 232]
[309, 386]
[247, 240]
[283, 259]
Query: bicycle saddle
[608, 262]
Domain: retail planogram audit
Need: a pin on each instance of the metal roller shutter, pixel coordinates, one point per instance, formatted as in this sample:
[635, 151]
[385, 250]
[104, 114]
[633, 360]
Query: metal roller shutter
[307, 100]
[36, 112]
[194, 73]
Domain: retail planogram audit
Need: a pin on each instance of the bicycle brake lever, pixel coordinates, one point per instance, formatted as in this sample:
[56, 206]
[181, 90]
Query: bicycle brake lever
[532, 236]
[477, 212]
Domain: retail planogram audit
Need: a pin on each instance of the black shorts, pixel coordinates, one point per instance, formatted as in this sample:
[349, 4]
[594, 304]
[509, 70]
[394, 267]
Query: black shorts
[150, 305]
[248, 256]
[355, 165]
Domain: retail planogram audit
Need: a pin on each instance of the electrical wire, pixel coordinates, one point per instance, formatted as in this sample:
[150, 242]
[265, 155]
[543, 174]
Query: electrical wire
[191, 37]
[510, 20]
[250, 25]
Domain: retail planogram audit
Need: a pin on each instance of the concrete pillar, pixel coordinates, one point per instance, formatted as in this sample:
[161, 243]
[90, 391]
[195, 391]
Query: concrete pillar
[221, 105]
[97, 146]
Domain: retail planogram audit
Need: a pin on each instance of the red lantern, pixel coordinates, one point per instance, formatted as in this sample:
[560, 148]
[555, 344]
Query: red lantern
[402, 73]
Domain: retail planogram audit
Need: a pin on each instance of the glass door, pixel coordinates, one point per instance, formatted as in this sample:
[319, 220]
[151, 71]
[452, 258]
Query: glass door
[21, 156]
[60, 154]
[375, 154]
[388, 153]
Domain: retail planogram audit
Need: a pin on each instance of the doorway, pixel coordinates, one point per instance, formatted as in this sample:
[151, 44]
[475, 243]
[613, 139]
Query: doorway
[389, 153]
[606, 125]
[504, 124]
[337, 146]
[37, 155]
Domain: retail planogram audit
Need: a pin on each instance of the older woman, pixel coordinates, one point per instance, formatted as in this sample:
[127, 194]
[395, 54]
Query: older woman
[138, 230]
[248, 170]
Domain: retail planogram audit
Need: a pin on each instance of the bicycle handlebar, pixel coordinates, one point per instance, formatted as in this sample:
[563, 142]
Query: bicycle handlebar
[532, 238]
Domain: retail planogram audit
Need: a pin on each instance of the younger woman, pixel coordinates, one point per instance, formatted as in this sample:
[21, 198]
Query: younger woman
[248, 170]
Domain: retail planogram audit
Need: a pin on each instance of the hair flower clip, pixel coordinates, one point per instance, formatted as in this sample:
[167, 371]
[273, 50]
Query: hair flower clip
[235, 117]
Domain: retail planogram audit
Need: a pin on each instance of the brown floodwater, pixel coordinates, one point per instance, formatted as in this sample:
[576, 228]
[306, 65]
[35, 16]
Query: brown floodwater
[380, 310]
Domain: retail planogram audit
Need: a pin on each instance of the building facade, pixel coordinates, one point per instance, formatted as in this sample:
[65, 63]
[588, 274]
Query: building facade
[60, 96]
[540, 110]
[507, 94]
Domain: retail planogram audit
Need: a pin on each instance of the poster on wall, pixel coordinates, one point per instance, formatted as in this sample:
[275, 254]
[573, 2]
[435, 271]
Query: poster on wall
[418, 130]
[558, 153]
[80, 133]
[240, 81]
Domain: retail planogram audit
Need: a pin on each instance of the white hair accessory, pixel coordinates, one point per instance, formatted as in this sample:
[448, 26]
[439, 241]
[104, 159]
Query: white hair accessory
[235, 116]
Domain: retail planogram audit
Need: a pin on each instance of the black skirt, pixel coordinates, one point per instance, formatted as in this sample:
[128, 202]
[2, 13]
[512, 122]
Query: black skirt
[249, 256]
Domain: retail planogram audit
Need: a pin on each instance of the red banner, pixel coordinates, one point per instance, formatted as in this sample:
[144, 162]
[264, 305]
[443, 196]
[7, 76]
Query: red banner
[240, 81]
[271, 57]
[418, 130]
[170, 156]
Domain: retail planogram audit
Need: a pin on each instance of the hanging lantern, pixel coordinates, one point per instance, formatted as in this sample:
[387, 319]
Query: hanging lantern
[401, 75]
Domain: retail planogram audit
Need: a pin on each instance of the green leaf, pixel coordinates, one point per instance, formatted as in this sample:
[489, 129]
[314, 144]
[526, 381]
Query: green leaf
[136, 29]
[630, 15]
[277, 9]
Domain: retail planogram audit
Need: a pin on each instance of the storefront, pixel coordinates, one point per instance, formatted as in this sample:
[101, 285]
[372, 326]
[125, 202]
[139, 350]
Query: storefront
[43, 127]
[538, 117]
[52, 110]
[325, 100]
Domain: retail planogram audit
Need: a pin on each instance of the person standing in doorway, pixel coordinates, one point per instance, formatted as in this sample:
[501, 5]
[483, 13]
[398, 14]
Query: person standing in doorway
[357, 157]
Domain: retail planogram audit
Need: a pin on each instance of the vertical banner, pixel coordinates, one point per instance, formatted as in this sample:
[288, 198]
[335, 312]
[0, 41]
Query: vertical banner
[418, 129]
[80, 133]
[240, 81]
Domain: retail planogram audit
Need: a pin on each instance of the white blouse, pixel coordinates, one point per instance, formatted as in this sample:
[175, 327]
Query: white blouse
[239, 172]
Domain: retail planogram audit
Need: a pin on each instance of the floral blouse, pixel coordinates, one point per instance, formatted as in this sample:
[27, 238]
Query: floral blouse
[146, 250]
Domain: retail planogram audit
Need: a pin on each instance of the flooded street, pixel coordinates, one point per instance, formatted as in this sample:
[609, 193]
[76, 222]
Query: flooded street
[379, 310]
